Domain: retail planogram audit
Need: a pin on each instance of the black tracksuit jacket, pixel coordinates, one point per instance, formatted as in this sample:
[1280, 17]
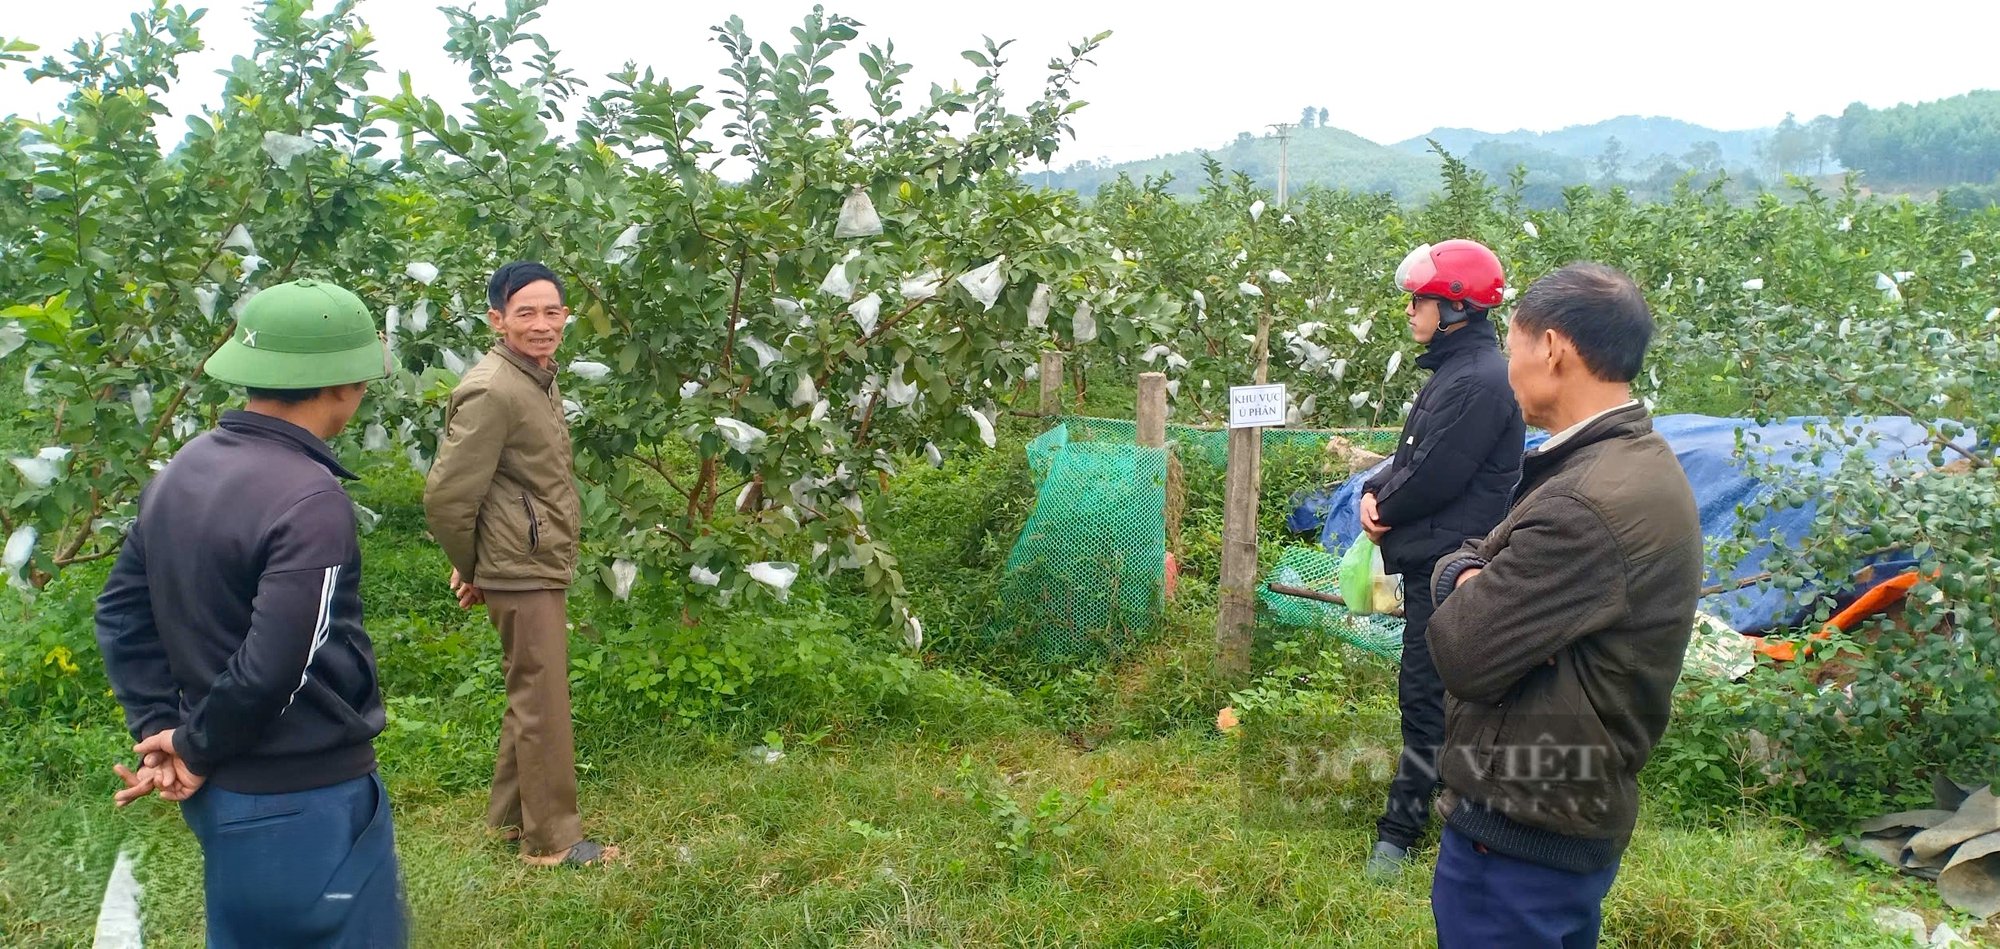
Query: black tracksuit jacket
[233, 613]
[1454, 472]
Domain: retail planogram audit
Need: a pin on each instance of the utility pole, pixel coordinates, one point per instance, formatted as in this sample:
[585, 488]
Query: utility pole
[1284, 130]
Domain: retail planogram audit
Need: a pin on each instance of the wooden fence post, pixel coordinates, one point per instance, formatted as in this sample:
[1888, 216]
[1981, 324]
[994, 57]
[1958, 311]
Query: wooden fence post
[1152, 409]
[1236, 615]
[1052, 380]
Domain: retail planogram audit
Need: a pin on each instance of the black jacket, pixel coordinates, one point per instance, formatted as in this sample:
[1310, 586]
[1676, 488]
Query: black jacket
[233, 613]
[1460, 456]
[1559, 659]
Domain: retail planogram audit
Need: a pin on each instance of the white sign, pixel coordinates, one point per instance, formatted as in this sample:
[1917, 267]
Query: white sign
[1256, 406]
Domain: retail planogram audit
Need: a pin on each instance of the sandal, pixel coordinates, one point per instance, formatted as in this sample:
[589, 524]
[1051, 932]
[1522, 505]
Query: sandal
[586, 853]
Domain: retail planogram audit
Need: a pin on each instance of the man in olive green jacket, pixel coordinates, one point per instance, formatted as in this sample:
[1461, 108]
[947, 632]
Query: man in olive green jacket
[501, 499]
[1559, 635]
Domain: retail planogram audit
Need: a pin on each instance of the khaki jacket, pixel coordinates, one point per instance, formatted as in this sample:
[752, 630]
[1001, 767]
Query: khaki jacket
[501, 498]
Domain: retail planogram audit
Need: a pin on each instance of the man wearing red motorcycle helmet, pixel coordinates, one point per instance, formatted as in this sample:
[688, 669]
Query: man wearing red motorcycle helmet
[1452, 478]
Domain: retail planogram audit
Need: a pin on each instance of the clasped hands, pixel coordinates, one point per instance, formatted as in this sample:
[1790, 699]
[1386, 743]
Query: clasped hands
[161, 771]
[1371, 519]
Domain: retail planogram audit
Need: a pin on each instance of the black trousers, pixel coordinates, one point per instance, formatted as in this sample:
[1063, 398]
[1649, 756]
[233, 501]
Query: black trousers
[1420, 694]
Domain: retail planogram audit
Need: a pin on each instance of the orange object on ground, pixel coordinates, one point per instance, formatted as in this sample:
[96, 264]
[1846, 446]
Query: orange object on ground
[1885, 595]
[1173, 574]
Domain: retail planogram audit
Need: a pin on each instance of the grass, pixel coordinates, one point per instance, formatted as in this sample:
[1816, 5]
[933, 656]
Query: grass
[868, 832]
[876, 844]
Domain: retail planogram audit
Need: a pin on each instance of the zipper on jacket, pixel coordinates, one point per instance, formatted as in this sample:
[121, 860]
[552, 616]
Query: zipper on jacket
[534, 525]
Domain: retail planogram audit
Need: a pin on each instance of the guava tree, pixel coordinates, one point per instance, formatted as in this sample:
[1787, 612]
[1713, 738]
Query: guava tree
[752, 355]
[126, 255]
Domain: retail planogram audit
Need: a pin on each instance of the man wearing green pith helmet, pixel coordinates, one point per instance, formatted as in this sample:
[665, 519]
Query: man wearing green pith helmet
[231, 633]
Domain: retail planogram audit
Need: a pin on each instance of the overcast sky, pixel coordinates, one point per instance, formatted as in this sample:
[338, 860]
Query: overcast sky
[1169, 80]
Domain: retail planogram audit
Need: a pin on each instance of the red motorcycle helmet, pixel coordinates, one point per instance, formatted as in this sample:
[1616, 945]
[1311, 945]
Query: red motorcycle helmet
[1456, 270]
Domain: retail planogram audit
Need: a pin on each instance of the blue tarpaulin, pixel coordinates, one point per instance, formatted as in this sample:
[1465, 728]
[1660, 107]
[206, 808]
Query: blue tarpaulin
[1707, 448]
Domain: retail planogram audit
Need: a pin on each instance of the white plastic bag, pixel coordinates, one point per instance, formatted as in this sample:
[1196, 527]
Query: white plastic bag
[589, 371]
[985, 425]
[12, 337]
[1529, 228]
[703, 576]
[932, 455]
[453, 363]
[740, 436]
[1884, 283]
[1395, 363]
[1280, 277]
[43, 469]
[1038, 307]
[1360, 330]
[1754, 283]
[766, 353]
[922, 286]
[689, 388]
[805, 392]
[1249, 289]
[142, 402]
[285, 149]
[857, 216]
[1358, 399]
[1256, 209]
[1082, 325]
[986, 282]
[866, 311]
[239, 240]
[1339, 369]
[776, 574]
[621, 248]
[422, 271]
[837, 283]
[623, 574]
[375, 437]
[420, 316]
[20, 550]
[897, 392]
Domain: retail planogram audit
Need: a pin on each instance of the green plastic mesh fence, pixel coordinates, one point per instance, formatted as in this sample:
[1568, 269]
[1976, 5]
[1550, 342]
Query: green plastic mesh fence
[1315, 569]
[1086, 578]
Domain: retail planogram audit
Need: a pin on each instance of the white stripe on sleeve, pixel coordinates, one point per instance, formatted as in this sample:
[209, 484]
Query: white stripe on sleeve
[322, 627]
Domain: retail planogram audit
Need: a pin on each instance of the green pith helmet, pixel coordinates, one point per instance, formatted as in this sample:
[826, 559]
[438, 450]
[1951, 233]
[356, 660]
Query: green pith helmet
[301, 335]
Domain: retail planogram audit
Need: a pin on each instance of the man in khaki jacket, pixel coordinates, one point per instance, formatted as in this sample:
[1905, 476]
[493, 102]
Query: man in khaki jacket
[501, 499]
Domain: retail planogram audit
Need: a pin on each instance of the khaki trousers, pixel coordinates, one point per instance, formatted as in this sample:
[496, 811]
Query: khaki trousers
[534, 778]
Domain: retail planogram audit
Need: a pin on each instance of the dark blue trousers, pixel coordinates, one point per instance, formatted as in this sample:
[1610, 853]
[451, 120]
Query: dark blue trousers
[1488, 901]
[307, 868]
[1420, 697]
